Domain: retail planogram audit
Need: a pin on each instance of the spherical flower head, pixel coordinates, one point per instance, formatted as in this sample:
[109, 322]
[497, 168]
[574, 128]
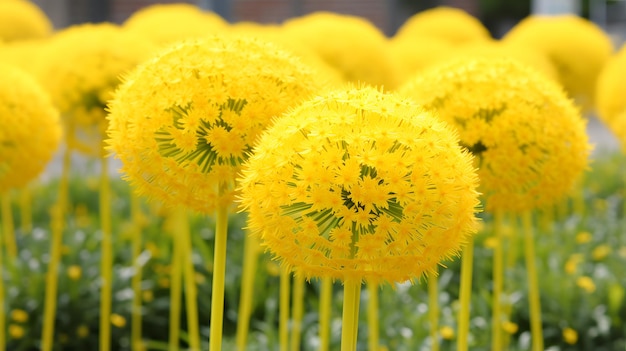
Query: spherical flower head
[168, 23]
[22, 19]
[184, 121]
[30, 131]
[577, 47]
[412, 56]
[25, 54]
[351, 44]
[528, 137]
[611, 87]
[617, 125]
[84, 65]
[358, 184]
[447, 23]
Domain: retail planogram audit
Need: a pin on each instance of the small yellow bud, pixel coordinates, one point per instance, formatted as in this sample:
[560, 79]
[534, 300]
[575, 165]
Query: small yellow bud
[82, 331]
[19, 315]
[570, 336]
[446, 332]
[16, 331]
[586, 284]
[74, 272]
[118, 320]
[601, 252]
[510, 327]
[583, 237]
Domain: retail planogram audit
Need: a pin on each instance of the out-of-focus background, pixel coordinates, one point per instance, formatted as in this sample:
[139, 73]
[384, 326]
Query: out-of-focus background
[388, 15]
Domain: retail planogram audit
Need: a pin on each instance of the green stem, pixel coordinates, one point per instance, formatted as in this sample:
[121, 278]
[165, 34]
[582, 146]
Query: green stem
[106, 262]
[56, 240]
[219, 272]
[467, 262]
[191, 291]
[511, 258]
[372, 316]
[7, 226]
[2, 311]
[175, 293]
[533, 285]
[283, 323]
[433, 310]
[496, 321]
[326, 291]
[298, 311]
[135, 329]
[350, 317]
[250, 259]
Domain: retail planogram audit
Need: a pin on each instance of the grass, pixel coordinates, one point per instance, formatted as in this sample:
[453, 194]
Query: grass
[582, 280]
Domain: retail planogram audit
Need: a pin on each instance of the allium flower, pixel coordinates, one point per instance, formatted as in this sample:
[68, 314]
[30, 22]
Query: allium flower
[577, 47]
[22, 19]
[528, 137]
[351, 44]
[30, 131]
[25, 54]
[447, 23]
[169, 23]
[358, 184]
[416, 54]
[611, 87]
[617, 125]
[83, 67]
[184, 121]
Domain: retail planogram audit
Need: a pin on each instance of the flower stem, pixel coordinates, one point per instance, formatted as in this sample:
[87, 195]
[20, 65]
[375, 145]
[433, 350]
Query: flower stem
[350, 317]
[533, 285]
[372, 316]
[135, 329]
[283, 308]
[7, 226]
[2, 311]
[467, 262]
[250, 259]
[106, 263]
[26, 213]
[433, 310]
[298, 311]
[175, 294]
[191, 291]
[326, 291]
[219, 272]
[56, 239]
[498, 267]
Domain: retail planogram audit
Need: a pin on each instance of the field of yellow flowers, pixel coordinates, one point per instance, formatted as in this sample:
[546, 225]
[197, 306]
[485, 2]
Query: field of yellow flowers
[309, 185]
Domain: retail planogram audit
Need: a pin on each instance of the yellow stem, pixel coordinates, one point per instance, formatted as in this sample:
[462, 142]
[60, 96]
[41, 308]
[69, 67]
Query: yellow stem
[433, 310]
[106, 261]
[372, 316]
[250, 258]
[467, 262]
[2, 311]
[326, 291]
[57, 214]
[533, 285]
[350, 317]
[135, 329]
[7, 226]
[511, 258]
[175, 294]
[219, 272]
[498, 266]
[191, 290]
[283, 308]
[298, 311]
[26, 213]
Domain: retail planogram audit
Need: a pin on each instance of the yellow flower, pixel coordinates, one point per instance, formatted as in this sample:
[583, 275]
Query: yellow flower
[415, 54]
[510, 327]
[600, 252]
[82, 331]
[184, 21]
[82, 69]
[572, 263]
[611, 87]
[491, 242]
[529, 139]
[74, 272]
[341, 187]
[16, 331]
[118, 320]
[223, 91]
[617, 125]
[147, 295]
[570, 336]
[446, 332]
[350, 44]
[30, 132]
[20, 20]
[586, 283]
[583, 237]
[447, 23]
[577, 47]
[19, 315]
